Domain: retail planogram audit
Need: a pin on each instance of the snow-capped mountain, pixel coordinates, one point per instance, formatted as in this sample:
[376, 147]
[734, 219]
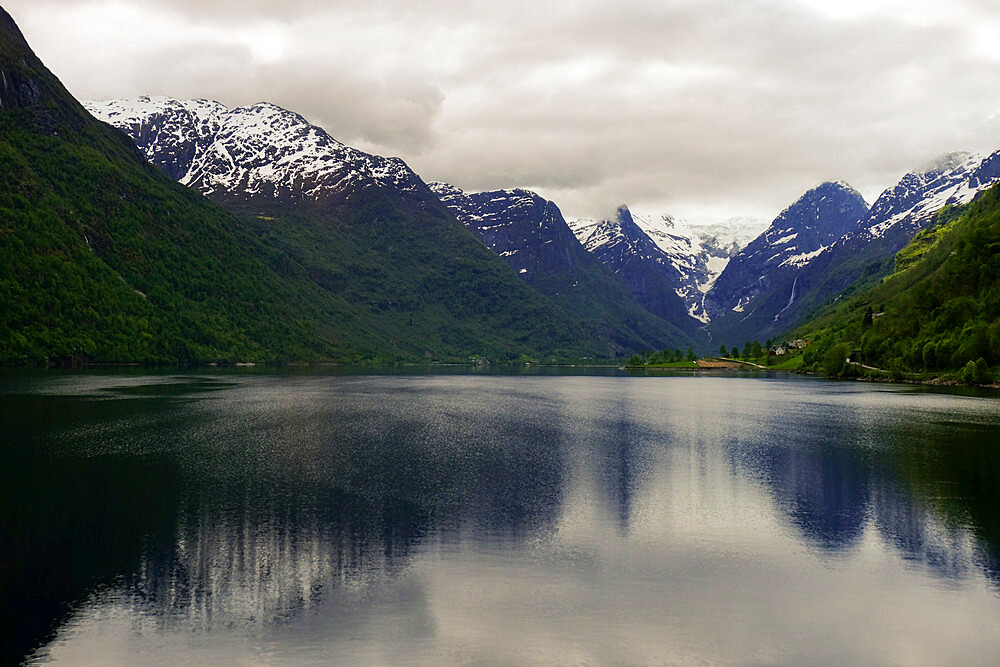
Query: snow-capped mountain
[691, 255]
[651, 274]
[731, 235]
[758, 309]
[908, 206]
[257, 150]
[370, 231]
[799, 233]
[698, 252]
[519, 225]
[532, 235]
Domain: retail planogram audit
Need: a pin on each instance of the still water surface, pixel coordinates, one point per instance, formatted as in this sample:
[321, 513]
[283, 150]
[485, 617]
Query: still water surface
[235, 519]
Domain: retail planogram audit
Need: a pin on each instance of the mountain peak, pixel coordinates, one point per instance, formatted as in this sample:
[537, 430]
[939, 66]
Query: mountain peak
[956, 160]
[802, 231]
[823, 193]
[442, 189]
[10, 34]
[257, 150]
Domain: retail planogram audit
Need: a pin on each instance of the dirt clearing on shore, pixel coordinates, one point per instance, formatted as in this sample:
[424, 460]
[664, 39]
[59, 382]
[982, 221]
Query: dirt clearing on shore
[728, 364]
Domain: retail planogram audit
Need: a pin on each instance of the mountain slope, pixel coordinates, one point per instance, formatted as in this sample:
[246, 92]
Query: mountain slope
[105, 258]
[366, 228]
[531, 234]
[647, 271]
[864, 255]
[761, 283]
[938, 311]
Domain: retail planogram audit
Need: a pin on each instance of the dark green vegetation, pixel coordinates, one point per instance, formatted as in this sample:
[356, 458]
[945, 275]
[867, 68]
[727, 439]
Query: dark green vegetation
[665, 358]
[85, 226]
[105, 259]
[937, 314]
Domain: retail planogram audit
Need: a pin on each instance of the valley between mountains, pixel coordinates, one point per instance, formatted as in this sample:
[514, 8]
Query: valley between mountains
[158, 230]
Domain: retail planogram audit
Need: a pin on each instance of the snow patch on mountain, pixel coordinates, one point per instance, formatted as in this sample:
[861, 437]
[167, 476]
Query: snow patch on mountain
[698, 253]
[259, 149]
[913, 201]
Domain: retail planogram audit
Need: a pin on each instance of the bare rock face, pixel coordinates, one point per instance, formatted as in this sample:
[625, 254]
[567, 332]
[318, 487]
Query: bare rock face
[520, 226]
[650, 273]
[532, 235]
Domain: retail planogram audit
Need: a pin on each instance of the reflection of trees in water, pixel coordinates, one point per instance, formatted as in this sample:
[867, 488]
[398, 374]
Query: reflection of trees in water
[71, 526]
[259, 558]
[255, 555]
[952, 470]
[930, 493]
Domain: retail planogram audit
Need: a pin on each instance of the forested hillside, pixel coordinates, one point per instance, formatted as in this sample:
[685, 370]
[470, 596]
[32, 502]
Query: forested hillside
[103, 258]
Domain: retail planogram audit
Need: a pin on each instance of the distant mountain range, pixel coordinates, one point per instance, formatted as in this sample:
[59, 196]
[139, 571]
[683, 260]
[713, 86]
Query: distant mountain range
[686, 258]
[824, 245]
[700, 285]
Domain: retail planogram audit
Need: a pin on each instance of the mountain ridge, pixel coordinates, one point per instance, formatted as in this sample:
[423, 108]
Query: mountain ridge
[863, 255]
[803, 229]
[275, 170]
[104, 258]
[648, 272]
[530, 233]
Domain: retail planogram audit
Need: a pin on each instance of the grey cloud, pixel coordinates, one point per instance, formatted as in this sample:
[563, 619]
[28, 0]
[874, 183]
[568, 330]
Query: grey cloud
[739, 105]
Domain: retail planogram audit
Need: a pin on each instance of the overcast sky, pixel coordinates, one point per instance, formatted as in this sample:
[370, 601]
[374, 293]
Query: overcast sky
[702, 108]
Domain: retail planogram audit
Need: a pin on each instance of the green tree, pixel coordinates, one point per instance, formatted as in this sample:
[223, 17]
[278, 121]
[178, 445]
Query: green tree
[974, 372]
[835, 360]
[723, 351]
[690, 354]
[929, 356]
[866, 322]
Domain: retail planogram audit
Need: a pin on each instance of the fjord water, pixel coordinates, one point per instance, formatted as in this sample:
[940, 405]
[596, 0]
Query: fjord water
[233, 519]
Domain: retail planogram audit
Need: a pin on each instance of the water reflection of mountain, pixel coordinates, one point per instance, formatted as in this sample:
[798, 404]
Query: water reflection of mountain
[72, 526]
[929, 494]
[824, 493]
[624, 448]
[252, 505]
[211, 519]
[255, 556]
